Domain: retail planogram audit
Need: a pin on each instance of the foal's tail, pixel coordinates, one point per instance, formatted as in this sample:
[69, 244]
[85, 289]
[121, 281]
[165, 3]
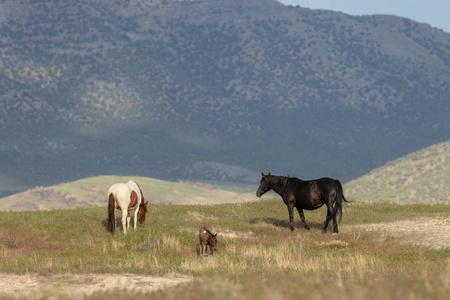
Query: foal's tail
[338, 200]
[111, 213]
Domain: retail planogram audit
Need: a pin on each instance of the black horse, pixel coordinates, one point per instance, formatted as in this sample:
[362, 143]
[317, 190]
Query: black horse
[307, 195]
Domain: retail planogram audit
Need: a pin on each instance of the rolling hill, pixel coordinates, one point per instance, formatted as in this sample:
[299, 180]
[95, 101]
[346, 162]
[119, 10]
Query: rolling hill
[420, 177]
[91, 192]
[212, 90]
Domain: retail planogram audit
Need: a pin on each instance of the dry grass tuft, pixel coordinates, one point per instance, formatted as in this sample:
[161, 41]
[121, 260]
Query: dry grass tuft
[332, 244]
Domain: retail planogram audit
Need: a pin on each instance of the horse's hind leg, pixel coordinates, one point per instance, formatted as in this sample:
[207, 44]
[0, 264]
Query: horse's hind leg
[329, 217]
[335, 224]
[302, 216]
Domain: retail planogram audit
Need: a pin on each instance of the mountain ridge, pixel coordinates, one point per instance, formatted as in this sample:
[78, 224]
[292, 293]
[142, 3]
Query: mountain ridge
[216, 90]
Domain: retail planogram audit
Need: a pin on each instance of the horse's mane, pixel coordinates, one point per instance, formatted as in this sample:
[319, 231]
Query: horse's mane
[144, 207]
[282, 181]
[288, 178]
[142, 194]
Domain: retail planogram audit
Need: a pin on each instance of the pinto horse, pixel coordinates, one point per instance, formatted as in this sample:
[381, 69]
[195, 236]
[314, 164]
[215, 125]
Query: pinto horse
[307, 195]
[125, 196]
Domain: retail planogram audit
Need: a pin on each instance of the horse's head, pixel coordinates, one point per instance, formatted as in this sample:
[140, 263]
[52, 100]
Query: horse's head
[212, 240]
[264, 185]
[142, 211]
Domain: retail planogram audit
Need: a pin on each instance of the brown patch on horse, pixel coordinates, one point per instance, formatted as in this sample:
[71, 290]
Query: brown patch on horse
[133, 199]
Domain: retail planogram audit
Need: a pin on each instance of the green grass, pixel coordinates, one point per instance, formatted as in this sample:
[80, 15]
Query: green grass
[257, 254]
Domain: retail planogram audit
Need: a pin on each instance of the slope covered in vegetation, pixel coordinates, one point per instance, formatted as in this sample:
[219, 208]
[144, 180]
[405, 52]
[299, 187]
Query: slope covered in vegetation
[90, 192]
[420, 177]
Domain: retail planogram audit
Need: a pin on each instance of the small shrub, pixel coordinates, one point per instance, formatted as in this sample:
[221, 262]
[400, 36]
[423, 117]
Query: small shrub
[11, 243]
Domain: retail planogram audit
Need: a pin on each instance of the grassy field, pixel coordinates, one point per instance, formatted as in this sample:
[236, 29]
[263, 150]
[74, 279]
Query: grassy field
[258, 257]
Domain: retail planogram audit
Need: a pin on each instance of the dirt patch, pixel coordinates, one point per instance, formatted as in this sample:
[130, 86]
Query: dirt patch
[429, 232]
[23, 206]
[81, 286]
[13, 243]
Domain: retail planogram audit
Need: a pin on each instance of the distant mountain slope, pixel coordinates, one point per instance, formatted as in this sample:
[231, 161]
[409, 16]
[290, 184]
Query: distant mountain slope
[420, 177]
[212, 90]
[92, 192]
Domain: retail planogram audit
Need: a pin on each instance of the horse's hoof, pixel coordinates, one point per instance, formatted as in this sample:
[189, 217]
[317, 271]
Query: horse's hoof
[292, 228]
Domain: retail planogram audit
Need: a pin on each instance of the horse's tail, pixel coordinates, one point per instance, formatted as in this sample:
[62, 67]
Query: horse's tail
[111, 213]
[339, 199]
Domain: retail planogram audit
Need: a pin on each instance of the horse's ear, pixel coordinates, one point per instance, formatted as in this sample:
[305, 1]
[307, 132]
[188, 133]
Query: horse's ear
[146, 203]
[263, 174]
[268, 174]
[215, 235]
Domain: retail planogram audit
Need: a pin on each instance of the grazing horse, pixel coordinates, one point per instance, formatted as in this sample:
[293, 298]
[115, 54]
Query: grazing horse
[125, 196]
[307, 195]
[207, 238]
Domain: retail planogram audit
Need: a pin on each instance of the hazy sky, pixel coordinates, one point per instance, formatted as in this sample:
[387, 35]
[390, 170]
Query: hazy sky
[433, 12]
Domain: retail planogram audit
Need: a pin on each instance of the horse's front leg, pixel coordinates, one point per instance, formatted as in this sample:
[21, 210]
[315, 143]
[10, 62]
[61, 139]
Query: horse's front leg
[136, 217]
[124, 220]
[302, 216]
[290, 206]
